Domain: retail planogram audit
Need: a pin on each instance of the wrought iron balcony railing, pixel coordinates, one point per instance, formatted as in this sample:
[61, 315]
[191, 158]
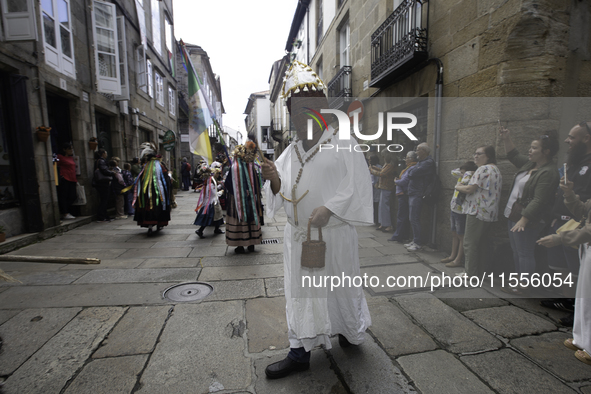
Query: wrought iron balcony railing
[400, 43]
[339, 88]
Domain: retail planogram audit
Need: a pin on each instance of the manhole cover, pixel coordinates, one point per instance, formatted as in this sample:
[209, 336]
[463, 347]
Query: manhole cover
[186, 292]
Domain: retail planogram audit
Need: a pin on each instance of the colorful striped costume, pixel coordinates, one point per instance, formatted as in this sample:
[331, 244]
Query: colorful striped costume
[244, 210]
[152, 195]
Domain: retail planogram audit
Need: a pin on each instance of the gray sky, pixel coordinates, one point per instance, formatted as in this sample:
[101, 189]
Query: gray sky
[242, 39]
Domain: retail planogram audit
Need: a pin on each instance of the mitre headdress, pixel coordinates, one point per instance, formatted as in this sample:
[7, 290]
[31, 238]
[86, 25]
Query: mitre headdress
[300, 78]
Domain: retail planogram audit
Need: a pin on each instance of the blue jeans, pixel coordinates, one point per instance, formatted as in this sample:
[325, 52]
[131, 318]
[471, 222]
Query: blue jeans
[384, 217]
[414, 204]
[402, 222]
[523, 244]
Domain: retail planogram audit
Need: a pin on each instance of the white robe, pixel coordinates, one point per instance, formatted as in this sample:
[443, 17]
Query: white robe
[341, 182]
[582, 320]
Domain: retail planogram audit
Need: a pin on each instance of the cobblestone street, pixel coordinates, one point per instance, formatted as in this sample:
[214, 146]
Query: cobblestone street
[107, 328]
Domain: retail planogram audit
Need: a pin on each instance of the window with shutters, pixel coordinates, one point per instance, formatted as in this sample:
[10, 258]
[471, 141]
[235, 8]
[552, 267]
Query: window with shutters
[169, 45]
[159, 88]
[18, 18]
[57, 36]
[171, 101]
[123, 69]
[156, 30]
[106, 51]
[141, 77]
[149, 72]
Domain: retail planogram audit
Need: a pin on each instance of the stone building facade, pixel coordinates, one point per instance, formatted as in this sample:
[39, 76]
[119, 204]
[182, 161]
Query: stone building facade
[90, 69]
[450, 49]
[258, 122]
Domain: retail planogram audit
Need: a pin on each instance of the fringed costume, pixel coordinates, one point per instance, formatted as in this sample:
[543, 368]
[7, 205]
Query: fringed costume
[209, 211]
[244, 208]
[152, 193]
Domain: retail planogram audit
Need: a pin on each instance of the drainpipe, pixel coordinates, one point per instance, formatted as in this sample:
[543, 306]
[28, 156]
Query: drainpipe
[437, 141]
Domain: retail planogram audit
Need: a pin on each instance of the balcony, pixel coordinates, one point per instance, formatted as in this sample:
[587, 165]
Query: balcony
[400, 43]
[339, 88]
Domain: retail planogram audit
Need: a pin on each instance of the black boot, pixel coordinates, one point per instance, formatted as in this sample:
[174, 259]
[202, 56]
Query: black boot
[251, 248]
[284, 367]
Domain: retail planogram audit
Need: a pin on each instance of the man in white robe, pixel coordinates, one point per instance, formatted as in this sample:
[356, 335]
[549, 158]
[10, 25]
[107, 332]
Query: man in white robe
[339, 197]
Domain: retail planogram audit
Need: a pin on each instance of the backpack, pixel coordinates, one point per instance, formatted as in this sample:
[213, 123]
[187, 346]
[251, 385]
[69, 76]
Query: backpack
[432, 190]
[188, 168]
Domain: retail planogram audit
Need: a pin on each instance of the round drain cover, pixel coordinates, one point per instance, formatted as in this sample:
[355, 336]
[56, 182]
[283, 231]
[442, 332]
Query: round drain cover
[186, 292]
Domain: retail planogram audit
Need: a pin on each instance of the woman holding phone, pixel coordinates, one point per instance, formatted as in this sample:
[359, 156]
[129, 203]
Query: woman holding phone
[531, 199]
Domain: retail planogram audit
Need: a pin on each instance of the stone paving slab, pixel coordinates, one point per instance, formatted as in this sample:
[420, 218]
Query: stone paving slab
[158, 237]
[396, 333]
[369, 252]
[233, 259]
[140, 275]
[43, 278]
[469, 299]
[199, 251]
[533, 305]
[393, 248]
[319, 379]
[272, 234]
[71, 238]
[25, 333]
[106, 263]
[201, 347]
[245, 272]
[173, 244]
[262, 249]
[6, 315]
[266, 324]
[586, 390]
[399, 270]
[236, 290]
[59, 359]
[450, 328]
[508, 372]
[549, 351]
[124, 339]
[94, 246]
[367, 369]
[171, 262]
[439, 372]
[369, 243]
[159, 252]
[38, 250]
[108, 376]
[275, 287]
[60, 296]
[509, 321]
[386, 260]
[8, 266]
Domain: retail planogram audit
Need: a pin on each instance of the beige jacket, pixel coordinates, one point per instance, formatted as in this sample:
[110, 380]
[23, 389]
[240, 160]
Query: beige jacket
[579, 210]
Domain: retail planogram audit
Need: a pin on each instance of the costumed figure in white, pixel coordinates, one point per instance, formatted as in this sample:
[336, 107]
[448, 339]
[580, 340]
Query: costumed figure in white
[328, 189]
[152, 191]
[209, 211]
[579, 236]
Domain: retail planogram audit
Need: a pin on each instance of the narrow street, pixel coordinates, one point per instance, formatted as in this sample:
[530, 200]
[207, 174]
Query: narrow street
[108, 329]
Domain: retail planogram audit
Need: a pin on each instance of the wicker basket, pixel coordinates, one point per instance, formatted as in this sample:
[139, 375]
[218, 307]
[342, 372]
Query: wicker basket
[313, 252]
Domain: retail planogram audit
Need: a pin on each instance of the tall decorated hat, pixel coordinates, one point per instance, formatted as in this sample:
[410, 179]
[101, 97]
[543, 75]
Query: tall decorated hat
[300, 78]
